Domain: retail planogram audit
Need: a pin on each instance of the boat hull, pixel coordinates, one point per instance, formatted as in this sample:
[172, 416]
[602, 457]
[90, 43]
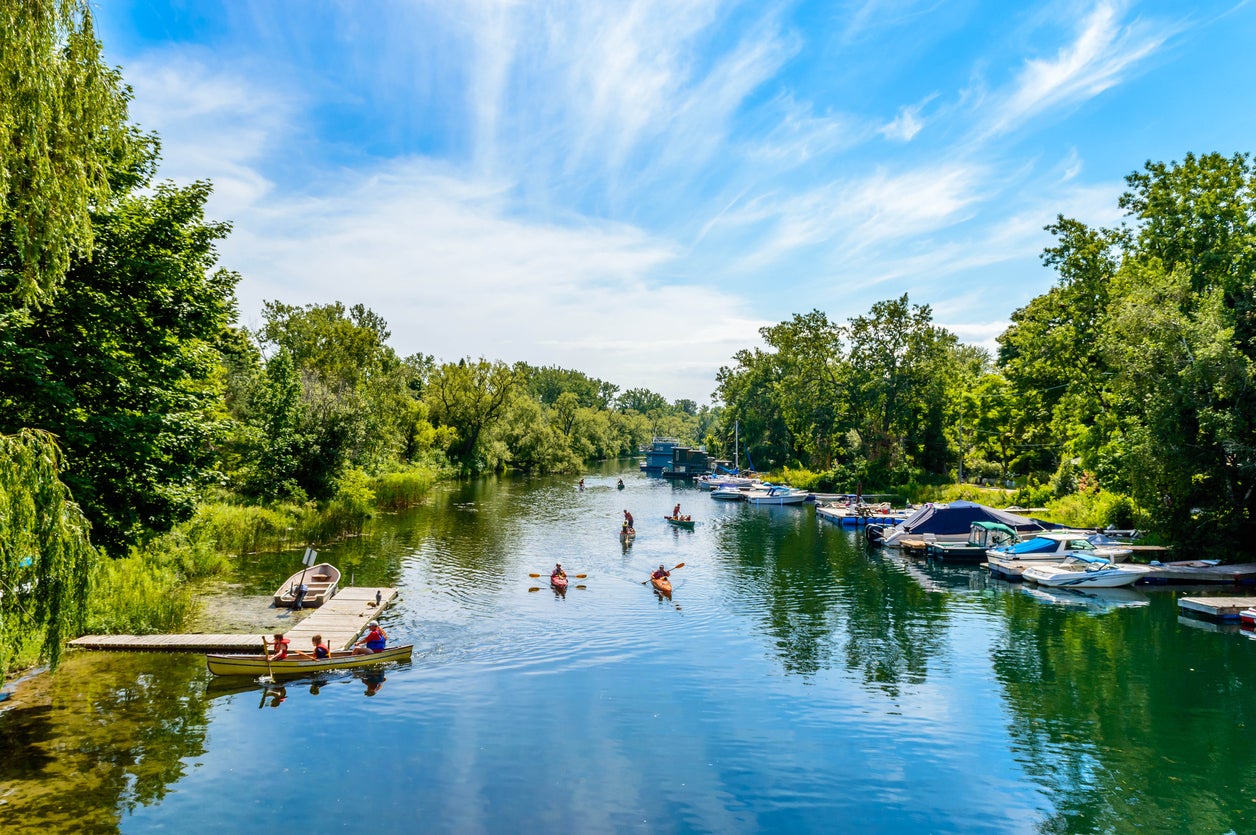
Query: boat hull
[680, 523]
[559, 583]
[1053, 576]
[662, 585]
[256, 665]
[321, 580]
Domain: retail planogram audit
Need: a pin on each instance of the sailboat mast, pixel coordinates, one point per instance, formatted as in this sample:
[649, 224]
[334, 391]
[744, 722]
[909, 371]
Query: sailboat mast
[737, 445]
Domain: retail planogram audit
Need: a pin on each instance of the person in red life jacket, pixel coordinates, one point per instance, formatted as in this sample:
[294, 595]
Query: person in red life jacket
[321, 650]
[676, 512]
[660, 574]
[375, 641]
[281, 648]
[628, 520]
[558, 573]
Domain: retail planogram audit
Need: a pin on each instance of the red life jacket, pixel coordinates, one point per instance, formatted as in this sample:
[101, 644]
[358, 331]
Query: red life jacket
[281, 647]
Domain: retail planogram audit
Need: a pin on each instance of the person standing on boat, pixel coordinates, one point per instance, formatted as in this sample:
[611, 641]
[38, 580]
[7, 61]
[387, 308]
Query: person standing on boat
[676, 511]
[281, 648]
[628, 521]
[581, 485]
[375, 641]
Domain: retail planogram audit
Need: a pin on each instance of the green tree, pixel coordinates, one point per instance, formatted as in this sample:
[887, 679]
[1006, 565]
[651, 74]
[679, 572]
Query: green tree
[62, 131]
[122, 364]
[45, 552]
[470, 396]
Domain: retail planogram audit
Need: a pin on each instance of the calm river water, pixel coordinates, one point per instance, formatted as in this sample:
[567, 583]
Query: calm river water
[795, 682]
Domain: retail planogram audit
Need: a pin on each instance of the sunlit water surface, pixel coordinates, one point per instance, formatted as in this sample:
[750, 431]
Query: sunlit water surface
[794, 682]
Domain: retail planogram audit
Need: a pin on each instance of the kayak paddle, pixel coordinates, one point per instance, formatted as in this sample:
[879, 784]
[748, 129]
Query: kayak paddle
[674, 567]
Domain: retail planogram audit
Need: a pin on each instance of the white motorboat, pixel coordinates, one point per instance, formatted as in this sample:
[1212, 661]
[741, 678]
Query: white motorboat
[1082, 571]
[776, 495]
[731, 494]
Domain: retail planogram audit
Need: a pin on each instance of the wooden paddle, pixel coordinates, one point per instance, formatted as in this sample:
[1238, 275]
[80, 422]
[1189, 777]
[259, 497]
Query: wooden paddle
[266, 654]
[676, 566]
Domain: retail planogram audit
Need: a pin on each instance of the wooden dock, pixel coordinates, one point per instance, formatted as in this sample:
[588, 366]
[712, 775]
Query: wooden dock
[1243, 574]
[343, 618]
[340, 621]
[171, 643]
[1215, 608]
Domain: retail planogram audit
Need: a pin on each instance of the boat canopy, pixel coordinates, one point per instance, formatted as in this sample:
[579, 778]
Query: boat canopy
[958, 518]
[1037, 545]
[990, 527]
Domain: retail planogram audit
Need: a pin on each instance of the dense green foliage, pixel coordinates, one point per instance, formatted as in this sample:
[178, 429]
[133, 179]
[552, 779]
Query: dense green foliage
[62, 130]
[45, 553]
[1130, 381]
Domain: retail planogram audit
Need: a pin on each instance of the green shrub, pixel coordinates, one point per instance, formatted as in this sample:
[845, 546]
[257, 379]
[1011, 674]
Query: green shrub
[138, 595]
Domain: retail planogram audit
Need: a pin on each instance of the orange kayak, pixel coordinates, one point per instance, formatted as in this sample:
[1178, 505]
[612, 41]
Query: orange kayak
[662, 585]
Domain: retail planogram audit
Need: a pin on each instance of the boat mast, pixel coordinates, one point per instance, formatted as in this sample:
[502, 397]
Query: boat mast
[737, 445]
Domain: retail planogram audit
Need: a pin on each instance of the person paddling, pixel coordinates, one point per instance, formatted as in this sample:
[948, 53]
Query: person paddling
[661, 574]
[676, 511]
[281, 648]
[558, 573]
[321, 650]
[628, 521]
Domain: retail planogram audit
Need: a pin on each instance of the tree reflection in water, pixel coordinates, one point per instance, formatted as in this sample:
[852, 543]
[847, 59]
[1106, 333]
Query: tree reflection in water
[105, 729]
[1094, 709]
[820, 596]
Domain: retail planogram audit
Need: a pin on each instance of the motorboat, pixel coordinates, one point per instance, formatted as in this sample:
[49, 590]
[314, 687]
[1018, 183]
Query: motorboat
[1010, 561]
[1084, 571]
[981, 538]
[731, 494]
[776, 494]
[949, 523]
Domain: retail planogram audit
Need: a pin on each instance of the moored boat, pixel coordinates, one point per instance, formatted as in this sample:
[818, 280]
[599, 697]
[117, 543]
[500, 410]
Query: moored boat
[777, 495]
[1082, 571]
[320, 586]
[256, 665]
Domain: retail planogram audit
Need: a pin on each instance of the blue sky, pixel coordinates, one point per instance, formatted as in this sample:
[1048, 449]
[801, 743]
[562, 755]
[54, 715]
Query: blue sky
[632, 188]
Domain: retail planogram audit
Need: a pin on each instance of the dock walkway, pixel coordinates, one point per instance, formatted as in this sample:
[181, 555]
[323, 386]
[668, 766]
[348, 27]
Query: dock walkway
[340, 620]
[1216, 608]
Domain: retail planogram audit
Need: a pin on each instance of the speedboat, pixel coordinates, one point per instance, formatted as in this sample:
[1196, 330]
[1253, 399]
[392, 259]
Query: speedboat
[730, 494]
[1009, 561]
[776, 495]
[1082, 571]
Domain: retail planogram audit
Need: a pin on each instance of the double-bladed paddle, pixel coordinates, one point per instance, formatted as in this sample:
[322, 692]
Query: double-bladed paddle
[674, 567]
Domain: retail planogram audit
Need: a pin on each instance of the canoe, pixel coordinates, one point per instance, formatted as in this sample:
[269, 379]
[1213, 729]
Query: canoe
[559, 583]
[321, 583]
[662, 585]
[255, 665]
[680, 523]
[627, 533]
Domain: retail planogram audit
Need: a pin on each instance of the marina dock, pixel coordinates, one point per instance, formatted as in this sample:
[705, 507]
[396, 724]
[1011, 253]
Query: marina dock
[1216, 608]
[340, 620]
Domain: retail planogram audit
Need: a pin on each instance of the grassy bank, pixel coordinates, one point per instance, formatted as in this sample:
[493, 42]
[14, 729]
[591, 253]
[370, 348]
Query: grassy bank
[148, 591]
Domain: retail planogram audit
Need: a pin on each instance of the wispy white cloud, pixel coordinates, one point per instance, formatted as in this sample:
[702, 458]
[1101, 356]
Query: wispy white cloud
[1103, 52]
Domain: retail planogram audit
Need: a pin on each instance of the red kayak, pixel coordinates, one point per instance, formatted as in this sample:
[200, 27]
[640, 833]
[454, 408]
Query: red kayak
[559, 583]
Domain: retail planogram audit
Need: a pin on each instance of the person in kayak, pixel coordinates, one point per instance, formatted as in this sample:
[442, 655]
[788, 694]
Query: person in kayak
[620, 484]
[558, 573]
[375, 641]
[660, 574]
[281, 648]
[628, 521]
[321, 650]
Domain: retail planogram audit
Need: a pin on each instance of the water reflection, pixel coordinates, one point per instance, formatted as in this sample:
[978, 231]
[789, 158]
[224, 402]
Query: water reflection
[105, 726]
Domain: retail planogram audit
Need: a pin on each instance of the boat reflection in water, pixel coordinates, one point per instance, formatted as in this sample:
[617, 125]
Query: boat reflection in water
[1096, 601]
[273, 694]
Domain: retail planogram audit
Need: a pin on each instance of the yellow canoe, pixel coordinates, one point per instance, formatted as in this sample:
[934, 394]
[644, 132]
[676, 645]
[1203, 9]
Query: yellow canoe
[293, 665]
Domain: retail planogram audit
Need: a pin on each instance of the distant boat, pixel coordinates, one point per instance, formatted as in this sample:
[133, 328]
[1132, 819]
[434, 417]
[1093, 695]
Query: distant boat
[320, 581]
[679, 523]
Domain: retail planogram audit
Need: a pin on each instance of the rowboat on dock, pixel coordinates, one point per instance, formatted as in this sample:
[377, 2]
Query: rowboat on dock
[257, 665]
[320, 586]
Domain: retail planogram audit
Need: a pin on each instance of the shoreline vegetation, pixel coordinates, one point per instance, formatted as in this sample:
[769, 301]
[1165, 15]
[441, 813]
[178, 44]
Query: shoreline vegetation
[147, 437]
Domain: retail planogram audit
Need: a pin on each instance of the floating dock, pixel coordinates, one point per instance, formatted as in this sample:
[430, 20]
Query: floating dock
[340, 621]
[1216, 608]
